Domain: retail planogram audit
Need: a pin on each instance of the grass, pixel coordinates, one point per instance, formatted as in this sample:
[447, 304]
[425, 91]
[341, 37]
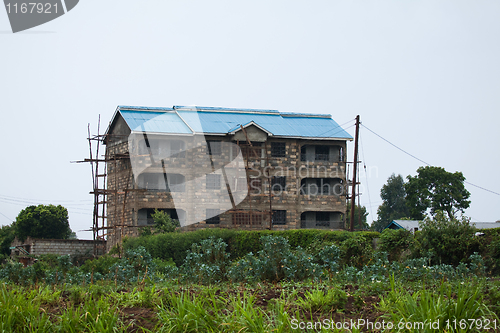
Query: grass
[259, 307]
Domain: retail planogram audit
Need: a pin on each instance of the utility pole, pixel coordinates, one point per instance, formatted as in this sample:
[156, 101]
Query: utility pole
[353, 196]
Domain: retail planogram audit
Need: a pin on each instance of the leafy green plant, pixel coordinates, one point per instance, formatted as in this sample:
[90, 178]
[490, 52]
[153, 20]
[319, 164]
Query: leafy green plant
[395, 242]
[275, 262]
[444, 307]
[356, 251]
[318, 300]
[450, 240]
[207, 261]
[329, 257]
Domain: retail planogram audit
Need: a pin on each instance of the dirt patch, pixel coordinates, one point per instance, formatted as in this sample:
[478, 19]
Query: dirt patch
[139, 318]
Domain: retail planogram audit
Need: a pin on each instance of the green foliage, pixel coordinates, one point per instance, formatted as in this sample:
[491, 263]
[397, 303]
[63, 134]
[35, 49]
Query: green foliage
[135, 266]
[240, 242]
[207, 261]
[329, 257]
[449, 241]
[275, 262]
[454, 311]
[394, 205]
[395, 242]
[360, 215]
[356, 251]
[7, 235]
[332, 300]
[100, 265]
[43, 221]
[162, 223]
[175, 246]
[438, 190]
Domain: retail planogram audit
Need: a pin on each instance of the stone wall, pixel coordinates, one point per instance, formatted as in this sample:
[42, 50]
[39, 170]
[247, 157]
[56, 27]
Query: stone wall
[36, 246]
[124, 205]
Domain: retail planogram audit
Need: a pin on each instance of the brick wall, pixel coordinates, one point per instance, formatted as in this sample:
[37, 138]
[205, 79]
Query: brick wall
[55, 246]
[123, 207]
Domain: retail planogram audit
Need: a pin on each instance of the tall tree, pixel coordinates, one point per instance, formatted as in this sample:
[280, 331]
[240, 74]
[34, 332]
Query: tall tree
[394, 206]
[359, 211]
[43, 221]
[6, 238]
[435, 189]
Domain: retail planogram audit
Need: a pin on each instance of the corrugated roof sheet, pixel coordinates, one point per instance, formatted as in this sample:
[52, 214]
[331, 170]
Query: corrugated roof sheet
[212, 120]
[157, 122]
[406, 224]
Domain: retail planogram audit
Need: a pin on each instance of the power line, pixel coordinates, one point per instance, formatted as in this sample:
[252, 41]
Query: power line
[338, 129]
[366, 175]
[392, 144]
[28, 199]
[418, 159]
[6, 216]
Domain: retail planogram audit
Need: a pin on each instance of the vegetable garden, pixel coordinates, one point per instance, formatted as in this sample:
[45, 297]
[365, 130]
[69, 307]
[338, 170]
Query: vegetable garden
[239, 281]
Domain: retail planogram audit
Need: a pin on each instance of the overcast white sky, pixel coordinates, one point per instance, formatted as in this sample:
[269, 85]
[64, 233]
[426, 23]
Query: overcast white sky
[423, 74]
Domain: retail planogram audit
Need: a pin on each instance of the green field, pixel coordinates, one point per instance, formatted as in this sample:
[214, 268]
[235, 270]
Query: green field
[328, 286]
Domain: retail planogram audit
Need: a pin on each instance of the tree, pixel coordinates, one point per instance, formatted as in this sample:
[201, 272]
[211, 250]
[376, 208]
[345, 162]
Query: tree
[447, 240]
[394, 205]
[43, 221]
[358, 210]
[6, 238]
[162, 223]
[438, 190]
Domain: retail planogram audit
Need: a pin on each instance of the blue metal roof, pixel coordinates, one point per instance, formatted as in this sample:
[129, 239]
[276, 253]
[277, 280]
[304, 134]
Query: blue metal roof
[156, 122]
[212, 120]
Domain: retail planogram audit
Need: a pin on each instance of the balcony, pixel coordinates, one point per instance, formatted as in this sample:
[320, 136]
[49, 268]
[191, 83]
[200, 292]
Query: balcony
[322, 220]
[321, 153]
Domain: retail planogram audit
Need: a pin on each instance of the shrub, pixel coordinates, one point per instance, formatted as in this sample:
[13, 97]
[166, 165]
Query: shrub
[100, 265]
[275, 262]
[329, 257]
[449, 240]
[240, 242]
[395, 242]
[136, 265]
[207, 261]
[356, 251]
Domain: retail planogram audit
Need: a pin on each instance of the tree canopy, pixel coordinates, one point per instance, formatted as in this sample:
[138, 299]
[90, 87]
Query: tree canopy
[438, 190]
[43, 221]
[162, 223]
[394, 205]
[6, 238]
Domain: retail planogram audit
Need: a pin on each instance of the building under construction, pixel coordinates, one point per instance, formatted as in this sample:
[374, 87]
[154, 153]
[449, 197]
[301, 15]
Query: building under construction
[218, 167]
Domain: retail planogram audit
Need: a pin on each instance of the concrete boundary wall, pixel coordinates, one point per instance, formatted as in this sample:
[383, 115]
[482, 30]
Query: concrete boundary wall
[36, 246]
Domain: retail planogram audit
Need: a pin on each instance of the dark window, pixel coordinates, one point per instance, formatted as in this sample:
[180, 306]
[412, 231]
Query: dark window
[303, 156]
[253, 152]
[213, 182]
[150, 211]
[322, 153]
[152, 181]
[212, 216]
[278, 184]
[247, 218]
[176, 182]
[279, 216]
[214, 147]
[323, 186]
[322, 219]
[278, 149]
[177, 148]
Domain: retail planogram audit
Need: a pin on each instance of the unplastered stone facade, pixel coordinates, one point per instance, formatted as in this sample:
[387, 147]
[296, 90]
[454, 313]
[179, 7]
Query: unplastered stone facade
[288, 183]
[37, 246]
